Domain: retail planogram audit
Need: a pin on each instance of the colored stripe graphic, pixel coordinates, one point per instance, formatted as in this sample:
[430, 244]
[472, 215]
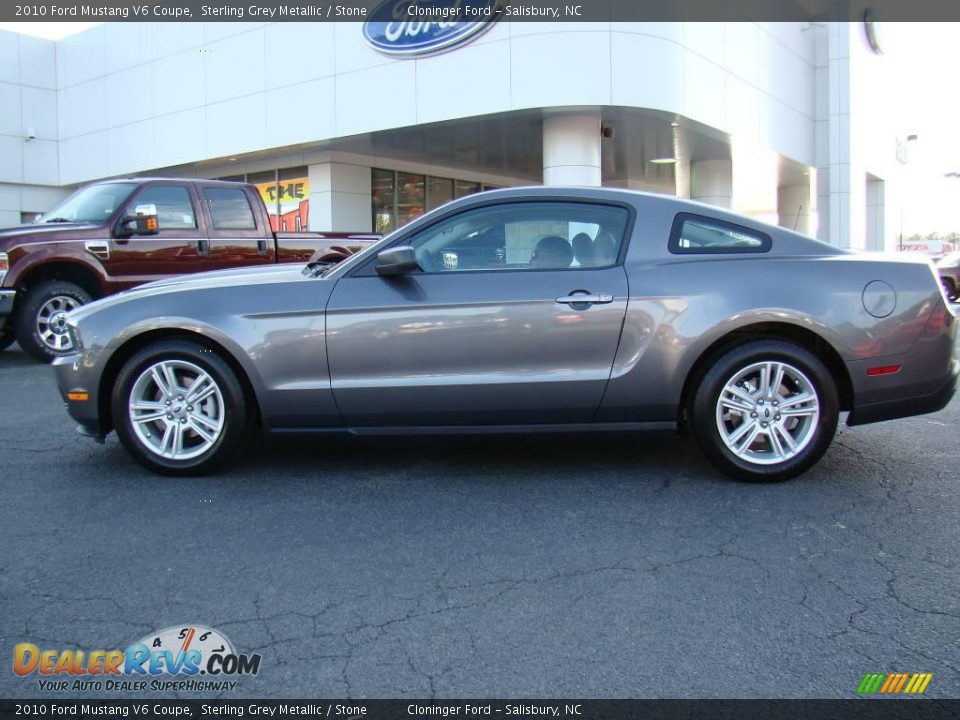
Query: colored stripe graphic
[894, 683]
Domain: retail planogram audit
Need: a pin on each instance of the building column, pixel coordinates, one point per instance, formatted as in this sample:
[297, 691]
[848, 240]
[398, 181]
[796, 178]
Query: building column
[340, 198]
[793, 207]
[711, 182]
[571, 149]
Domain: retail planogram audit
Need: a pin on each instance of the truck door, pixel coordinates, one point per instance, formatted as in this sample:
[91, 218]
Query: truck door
[238, 236]
[173, 250]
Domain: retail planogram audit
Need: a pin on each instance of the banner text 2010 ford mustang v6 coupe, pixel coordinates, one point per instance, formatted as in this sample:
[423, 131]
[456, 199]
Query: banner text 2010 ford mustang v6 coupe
[527, 309]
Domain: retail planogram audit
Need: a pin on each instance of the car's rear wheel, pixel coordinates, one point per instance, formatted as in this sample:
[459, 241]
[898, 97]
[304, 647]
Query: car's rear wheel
[179, 408]
[40, 322]
[766, 410]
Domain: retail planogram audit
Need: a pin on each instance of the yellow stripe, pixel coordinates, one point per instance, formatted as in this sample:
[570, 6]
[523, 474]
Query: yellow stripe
[914, 681]
[926, 681]
[903, 679]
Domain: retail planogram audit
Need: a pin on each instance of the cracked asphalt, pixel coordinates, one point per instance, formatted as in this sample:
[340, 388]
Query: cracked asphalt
[554, 566]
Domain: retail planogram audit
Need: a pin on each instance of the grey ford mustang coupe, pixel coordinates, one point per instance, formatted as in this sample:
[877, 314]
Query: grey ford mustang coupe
[526, 310]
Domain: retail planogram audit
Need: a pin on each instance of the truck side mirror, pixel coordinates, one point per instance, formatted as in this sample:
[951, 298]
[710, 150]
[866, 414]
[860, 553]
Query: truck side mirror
[143, 221]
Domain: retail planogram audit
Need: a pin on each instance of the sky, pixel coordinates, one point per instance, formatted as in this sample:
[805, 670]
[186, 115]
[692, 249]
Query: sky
[928, 106]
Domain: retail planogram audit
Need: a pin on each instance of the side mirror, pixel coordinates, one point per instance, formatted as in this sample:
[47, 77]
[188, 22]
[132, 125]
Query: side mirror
[143, 221]
[397, 261]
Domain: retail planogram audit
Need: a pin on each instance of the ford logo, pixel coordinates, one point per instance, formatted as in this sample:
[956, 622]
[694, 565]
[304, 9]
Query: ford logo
[409, 28]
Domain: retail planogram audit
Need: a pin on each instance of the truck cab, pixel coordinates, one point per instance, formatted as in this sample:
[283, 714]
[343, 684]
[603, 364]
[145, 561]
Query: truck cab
[113, 235]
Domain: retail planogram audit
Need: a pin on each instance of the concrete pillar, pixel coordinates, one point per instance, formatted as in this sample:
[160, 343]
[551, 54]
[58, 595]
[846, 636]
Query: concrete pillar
[571, 149]
[340, 198]
[711, 182]
[793, 207]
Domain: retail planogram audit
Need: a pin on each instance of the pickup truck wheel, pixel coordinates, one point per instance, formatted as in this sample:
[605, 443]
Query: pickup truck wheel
[40, 319]
[765, 411]
[179, 408]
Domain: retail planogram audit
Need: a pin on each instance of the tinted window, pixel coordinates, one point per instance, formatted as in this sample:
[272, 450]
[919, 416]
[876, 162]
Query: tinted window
[229, 209]
[524, 236]
[698, 234]
[174, 207]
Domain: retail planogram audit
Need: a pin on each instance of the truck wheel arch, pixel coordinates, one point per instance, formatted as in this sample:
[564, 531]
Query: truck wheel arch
[65, 270]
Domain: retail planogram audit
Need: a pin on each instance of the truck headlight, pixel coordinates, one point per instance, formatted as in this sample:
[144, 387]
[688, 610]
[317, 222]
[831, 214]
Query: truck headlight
[4, 266]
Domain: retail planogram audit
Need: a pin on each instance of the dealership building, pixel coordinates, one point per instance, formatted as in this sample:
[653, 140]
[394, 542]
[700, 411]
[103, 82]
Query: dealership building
[786, 122]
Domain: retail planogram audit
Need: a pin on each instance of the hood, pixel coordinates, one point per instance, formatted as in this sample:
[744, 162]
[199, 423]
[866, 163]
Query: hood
[257, 275]
[46, 231]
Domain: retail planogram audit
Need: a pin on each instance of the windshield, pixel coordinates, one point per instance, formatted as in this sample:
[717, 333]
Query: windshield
[93, 204]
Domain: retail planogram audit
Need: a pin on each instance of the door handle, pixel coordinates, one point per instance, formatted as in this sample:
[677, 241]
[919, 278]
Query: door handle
[203, 247]
[262, 247]
[585, 299]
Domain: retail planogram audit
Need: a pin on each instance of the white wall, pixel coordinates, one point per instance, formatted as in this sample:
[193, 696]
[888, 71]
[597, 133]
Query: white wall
[28, 101]
[138, 96]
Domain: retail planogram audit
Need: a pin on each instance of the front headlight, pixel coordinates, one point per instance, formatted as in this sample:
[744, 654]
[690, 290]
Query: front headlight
[4, 266]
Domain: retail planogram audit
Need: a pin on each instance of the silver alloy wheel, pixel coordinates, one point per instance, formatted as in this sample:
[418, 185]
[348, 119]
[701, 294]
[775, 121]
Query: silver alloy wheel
[52, 322]
[176, 410]
[768, 412]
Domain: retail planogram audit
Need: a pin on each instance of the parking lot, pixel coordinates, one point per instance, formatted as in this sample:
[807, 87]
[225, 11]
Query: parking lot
[555, 566]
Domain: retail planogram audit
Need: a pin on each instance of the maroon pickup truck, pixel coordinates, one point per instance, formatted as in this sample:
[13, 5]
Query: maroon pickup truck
[112, 235]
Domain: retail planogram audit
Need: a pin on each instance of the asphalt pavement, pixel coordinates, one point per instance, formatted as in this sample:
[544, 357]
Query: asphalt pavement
[551, 566]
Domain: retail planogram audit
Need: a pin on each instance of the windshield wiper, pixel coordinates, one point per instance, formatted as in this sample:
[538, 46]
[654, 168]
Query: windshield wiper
[58, 220]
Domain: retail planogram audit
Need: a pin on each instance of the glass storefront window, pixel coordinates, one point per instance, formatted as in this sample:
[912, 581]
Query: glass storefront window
[411, 197]
[383, 194]
[465, 188]
[399, 197]
[439, 191]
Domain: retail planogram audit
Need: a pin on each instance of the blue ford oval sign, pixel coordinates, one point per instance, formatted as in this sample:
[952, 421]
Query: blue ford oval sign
[414, 27]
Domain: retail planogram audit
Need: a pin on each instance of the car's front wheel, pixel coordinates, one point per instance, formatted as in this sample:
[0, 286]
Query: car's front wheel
[179, 408]
[766, 410]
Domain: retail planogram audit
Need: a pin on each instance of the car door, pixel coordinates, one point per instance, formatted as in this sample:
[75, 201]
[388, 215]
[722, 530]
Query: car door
[504, 324]
[237, 236]
[172, 250]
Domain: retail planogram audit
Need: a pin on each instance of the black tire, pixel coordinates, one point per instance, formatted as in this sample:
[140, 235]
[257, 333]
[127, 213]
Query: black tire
[236, 417]
[703, 410]
[6, 339]
[27, 312]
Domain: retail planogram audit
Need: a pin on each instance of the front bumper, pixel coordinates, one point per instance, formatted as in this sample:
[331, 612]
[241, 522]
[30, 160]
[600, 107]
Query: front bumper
[75, 377]
[6, 305]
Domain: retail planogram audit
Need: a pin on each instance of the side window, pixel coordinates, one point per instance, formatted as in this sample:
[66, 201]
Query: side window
[698, 234]
[524, 236]
[229, 208]
[174, 207]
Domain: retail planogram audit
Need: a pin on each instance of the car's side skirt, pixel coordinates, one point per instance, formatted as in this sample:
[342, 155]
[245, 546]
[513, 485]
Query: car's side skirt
[486, 429]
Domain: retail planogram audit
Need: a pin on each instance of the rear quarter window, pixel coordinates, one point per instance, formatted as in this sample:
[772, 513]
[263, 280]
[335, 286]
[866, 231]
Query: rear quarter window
[699, 235]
